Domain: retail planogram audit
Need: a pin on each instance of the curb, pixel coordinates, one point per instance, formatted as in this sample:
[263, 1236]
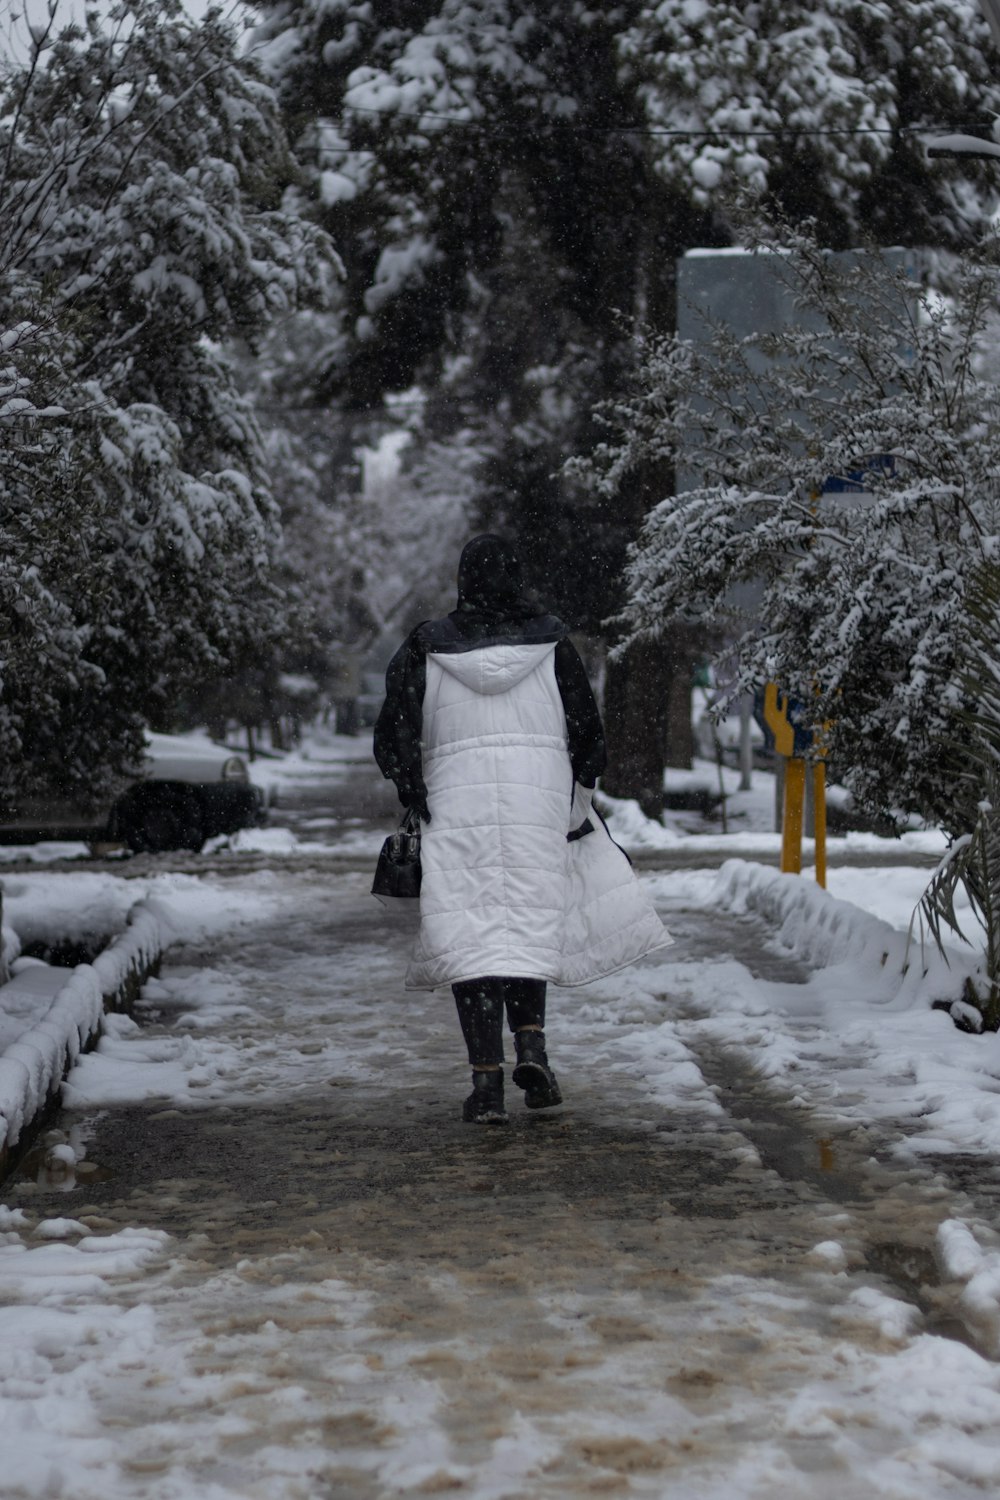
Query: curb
[32, 1068]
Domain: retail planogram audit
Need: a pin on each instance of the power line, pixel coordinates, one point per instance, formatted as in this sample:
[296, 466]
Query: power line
[679, 132]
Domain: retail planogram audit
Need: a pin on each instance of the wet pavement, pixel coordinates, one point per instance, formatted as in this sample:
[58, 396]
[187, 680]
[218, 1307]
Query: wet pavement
[369, 1298]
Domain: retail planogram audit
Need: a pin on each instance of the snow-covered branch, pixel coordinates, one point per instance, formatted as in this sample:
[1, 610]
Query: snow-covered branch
[876, 386]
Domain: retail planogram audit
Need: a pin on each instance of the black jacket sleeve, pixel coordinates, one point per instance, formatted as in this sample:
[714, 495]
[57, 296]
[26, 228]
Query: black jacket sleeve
[400, 722]
[585, 731]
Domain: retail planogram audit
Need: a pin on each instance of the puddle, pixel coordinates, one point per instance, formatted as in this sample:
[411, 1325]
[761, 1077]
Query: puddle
[791, 1141]
[57, 1163]
[903, 1204]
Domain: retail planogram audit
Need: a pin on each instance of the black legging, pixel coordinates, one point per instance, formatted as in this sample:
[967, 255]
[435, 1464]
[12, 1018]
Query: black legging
[481, 1004]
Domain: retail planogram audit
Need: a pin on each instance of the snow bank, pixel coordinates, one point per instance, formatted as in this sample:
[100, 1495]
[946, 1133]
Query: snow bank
[275, 841]
[964, 1259]
[84, 907]
[121, 967]
[848, 1030]
[10, 947]
[822, 931]
[32, 1068]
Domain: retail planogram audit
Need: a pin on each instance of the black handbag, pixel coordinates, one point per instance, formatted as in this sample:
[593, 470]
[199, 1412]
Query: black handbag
[397, 873]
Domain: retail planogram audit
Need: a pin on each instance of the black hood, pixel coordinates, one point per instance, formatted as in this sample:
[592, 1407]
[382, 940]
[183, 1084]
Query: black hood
[489, 580]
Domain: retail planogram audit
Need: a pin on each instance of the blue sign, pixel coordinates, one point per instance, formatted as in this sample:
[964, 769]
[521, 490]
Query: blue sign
[795, 713]
[853, 482]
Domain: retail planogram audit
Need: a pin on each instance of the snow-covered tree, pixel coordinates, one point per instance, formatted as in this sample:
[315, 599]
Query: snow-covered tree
[371, 510]
[506, 176]
[491, 215]
[141, 173]
[822, 107]
[874, 384]
[585, 146]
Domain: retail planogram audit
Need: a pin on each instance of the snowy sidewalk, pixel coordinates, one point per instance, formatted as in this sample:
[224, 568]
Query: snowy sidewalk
[731, 1266]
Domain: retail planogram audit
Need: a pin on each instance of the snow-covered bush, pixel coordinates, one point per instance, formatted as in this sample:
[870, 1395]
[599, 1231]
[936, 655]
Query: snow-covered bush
[141, 175]
[862, 607]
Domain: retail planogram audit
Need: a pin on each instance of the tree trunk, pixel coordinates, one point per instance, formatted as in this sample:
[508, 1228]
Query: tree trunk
[679, 736]
[746, 743]
[647, 699]
[635, 704]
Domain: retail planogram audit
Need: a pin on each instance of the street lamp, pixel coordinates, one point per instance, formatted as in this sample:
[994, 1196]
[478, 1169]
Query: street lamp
[961, 145]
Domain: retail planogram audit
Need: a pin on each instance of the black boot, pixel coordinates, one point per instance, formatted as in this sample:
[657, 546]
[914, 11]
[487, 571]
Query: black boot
[484, 1105]
[533, 1074]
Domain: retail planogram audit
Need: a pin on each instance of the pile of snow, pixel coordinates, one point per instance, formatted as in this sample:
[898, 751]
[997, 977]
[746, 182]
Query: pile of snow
[964, 1259]
[45, 852]
[852, 1035]
[85, 907]
[822, 931]
[750, 821]
[629, 826]
[276, 841]
[72, 1004]
[10, 947]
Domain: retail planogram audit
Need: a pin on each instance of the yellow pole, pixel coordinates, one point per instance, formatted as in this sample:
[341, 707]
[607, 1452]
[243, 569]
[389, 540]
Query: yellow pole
[819, 804]
[791, 822]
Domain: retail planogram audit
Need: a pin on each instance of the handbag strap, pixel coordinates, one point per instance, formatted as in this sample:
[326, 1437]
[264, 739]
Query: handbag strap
[410, 822]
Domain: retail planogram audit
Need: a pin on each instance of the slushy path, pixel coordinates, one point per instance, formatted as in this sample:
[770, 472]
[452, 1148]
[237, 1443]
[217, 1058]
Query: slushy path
[677, 1285]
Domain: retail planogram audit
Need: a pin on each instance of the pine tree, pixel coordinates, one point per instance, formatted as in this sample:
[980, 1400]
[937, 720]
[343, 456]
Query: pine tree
[822, 109]
[490, 217]
[141, 166]
[506, 179]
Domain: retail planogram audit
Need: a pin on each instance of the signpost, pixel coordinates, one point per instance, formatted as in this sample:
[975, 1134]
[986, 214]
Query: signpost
[783, 722]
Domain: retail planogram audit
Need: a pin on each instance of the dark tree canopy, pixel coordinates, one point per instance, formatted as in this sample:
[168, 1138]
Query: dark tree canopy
[141, 169]
[499, 180]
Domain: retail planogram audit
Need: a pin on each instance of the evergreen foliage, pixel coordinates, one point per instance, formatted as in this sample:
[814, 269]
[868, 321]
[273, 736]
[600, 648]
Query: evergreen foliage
[972, 862]
[491, 216]
[141, 169]
[861, 596]
[845, 88]
[497, 177]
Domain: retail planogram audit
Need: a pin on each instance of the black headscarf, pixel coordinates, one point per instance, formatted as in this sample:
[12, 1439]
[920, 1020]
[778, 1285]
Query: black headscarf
[493, 607]
[490, 583]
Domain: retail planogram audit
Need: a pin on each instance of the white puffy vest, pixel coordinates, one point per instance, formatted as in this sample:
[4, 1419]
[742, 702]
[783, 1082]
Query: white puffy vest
[504, 892]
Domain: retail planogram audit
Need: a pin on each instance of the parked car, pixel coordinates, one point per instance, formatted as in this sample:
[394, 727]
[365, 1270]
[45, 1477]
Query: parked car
[187, 790]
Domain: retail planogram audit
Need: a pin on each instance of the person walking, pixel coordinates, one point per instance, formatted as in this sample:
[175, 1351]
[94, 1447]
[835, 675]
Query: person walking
[490, 731]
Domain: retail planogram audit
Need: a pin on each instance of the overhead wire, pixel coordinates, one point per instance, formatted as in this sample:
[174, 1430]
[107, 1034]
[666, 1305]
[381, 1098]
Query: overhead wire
[683, 132]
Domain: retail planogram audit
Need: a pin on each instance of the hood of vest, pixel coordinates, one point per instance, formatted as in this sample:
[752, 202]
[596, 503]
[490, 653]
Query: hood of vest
[496, 668]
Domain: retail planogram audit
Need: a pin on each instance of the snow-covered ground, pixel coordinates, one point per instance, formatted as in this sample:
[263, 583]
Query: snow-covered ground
[749, 821]
[262, 1259]
[266, 1260]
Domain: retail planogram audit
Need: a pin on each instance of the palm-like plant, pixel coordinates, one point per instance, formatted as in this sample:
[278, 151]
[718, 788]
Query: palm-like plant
[972, 862]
